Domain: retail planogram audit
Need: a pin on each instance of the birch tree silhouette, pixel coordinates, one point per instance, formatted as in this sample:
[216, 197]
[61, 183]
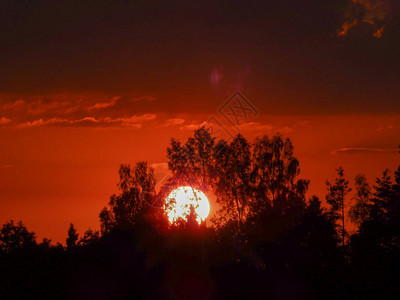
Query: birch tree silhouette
[137, 192]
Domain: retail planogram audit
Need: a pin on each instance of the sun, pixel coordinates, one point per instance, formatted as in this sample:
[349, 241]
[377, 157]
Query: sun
[180, 200]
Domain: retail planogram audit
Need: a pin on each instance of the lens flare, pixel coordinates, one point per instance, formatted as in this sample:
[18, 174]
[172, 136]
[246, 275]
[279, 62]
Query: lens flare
[178, 203]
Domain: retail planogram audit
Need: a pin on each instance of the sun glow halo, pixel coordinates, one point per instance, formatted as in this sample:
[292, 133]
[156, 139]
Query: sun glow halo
[178, 204]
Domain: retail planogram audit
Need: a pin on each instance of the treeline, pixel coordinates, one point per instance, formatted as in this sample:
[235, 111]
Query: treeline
[266, 241]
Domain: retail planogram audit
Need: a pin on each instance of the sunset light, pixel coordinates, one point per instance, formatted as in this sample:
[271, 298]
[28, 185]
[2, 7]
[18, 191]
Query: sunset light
[179, 201]
[200, 149]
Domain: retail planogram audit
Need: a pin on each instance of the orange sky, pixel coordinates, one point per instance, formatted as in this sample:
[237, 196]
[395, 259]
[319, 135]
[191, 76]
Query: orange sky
[88, 85]
[53, 175]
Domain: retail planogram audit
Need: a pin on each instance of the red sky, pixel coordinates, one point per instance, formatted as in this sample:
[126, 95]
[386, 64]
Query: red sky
[85, 87]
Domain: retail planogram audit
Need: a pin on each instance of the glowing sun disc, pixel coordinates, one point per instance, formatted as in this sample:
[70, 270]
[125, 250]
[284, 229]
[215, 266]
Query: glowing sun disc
[179, 201]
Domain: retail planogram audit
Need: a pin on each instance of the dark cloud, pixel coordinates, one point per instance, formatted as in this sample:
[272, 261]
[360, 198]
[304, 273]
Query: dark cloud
[373, 15]
[173, 50]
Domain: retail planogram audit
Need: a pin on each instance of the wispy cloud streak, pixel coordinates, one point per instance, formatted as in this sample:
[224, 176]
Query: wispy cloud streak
[362, 150]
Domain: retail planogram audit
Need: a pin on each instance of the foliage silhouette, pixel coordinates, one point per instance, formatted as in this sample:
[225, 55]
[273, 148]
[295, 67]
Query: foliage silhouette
[72, 238]
[268, 240]
[15, 236]
[137, 199]
[360, 210]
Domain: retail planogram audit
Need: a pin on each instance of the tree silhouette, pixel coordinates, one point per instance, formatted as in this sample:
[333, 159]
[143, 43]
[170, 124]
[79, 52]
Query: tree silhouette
[72, 238]
[233, 180]
[382, 195]
[360, 210]
[385, 209]
[376, 246]
[252, 179]
[15, 236]
[246, 178]
[192, 163]
[336, 199]
[137, 194]
[395, 200]
[275, 171]
[90, 236]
